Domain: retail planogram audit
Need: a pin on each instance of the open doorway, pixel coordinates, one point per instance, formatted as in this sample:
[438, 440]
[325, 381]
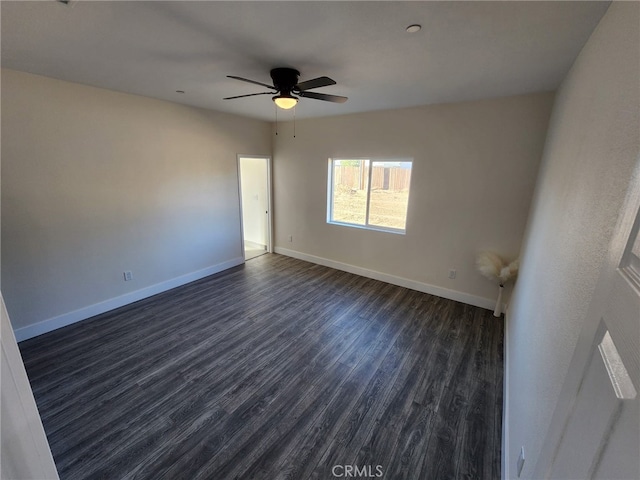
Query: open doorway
[255, 203]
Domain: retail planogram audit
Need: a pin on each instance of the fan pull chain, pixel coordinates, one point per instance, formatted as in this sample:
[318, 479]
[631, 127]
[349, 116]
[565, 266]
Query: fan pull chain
[276, 107]
[294, 122]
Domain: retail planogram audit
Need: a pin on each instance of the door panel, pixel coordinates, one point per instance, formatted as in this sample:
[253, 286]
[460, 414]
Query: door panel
[601, 438]
[24, 449]
[620, 458]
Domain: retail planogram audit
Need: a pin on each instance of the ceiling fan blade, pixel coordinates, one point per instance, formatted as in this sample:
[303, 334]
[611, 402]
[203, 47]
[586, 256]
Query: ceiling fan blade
[315, 83]
[252, 81]
[324, 96]
[248, 95]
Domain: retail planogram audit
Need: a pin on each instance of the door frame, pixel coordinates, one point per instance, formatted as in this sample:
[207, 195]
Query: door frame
[269, 200]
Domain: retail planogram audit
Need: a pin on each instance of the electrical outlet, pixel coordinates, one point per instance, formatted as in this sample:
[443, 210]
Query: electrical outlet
[128, 275]
[452, 274]
[290, 238]
[520, 461]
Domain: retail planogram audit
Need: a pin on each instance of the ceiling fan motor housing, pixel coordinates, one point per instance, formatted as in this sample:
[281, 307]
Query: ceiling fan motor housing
[285, 79]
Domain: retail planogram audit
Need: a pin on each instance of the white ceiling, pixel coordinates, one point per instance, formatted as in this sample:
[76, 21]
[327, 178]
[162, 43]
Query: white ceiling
[465, 50]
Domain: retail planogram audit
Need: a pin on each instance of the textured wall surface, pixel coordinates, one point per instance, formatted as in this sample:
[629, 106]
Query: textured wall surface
[591, 149]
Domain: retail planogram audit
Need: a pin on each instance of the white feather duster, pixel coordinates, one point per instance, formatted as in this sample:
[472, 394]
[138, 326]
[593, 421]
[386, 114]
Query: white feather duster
[510, 271]
[491, 266]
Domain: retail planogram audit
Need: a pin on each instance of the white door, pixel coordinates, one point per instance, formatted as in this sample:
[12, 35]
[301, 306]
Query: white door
[24, 449]
[255, 204]
[598, 435]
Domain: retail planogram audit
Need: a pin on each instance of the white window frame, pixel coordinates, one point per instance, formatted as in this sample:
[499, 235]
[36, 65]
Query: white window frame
[366, 226]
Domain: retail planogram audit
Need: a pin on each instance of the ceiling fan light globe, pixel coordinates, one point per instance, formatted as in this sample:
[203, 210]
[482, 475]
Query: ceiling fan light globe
[285, 102]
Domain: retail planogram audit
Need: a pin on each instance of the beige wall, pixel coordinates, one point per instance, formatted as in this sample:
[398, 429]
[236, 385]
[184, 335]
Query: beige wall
[96, 182]
[473, 176]
[592, 148]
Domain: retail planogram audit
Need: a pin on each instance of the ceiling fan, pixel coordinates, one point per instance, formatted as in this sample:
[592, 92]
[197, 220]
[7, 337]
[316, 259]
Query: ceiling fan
[286, 86]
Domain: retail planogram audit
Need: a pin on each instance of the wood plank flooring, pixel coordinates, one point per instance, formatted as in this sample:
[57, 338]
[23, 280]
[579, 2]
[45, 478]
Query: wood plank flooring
[278, 369]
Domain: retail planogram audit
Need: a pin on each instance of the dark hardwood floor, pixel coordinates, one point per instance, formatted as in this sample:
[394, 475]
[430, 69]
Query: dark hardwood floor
[276, 369]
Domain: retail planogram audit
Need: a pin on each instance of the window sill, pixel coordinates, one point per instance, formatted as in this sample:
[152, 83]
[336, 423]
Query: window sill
[368, 227]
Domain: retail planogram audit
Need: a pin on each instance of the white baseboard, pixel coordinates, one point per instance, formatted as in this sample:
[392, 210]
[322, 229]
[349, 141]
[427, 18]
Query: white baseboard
[400, 281]
[256, 245]
[65, 319]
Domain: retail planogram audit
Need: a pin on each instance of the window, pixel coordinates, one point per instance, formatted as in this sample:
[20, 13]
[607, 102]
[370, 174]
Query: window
[369, 193]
